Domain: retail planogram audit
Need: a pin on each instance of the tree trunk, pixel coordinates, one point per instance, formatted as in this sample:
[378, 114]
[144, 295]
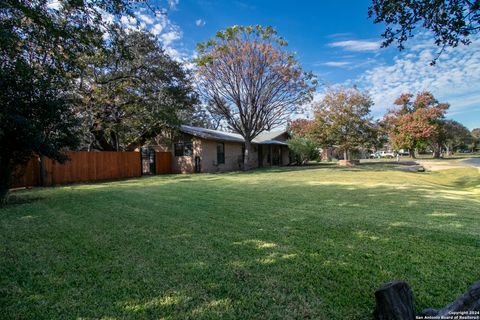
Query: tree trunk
[469, 301]
[326, 154]
[5, 179]
[449, 151]
[246, 158]
[345, 155]
[394, 301]
[414, 153]
[99, 135]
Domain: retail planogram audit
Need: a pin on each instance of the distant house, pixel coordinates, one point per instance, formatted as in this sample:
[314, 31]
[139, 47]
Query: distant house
[206, 150]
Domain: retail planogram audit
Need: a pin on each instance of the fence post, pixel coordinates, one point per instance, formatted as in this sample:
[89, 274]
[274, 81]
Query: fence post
[43, 172]
[394, 301]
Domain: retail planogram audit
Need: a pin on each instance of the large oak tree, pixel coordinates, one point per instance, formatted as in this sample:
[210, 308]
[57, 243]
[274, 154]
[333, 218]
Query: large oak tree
[475, 138]
[38, 50]
[343, 120]
[455, 135]
[39, 69]
[133, 91]
[418, 121]
[251, 81]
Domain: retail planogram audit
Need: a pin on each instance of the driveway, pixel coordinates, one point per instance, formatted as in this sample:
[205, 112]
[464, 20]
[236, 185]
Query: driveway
[442, 164]
[474, 162]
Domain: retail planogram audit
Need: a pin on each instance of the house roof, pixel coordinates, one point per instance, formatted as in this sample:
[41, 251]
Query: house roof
[267, 137]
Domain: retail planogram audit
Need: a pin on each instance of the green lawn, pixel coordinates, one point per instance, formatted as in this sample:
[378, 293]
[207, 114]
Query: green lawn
[275, 244]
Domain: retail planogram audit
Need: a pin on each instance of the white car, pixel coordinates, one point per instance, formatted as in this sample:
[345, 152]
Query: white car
[387, 154]
[382, 154]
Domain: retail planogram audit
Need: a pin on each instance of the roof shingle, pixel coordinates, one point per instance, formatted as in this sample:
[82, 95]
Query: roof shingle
[267, 137]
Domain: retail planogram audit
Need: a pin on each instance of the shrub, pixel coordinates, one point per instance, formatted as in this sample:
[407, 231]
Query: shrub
[303, 150]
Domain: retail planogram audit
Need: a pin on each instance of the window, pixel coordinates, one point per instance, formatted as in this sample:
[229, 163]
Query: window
[188, 149]
[178, 149]
[220, 153]
[183, 149]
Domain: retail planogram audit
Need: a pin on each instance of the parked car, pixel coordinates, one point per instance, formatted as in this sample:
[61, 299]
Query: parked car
[382, 154]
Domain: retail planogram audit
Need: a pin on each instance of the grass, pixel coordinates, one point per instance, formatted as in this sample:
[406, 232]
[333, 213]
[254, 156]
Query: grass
[274, 244]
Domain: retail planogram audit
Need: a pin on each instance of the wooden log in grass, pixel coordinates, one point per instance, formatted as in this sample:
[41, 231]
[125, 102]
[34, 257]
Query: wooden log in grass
[469, 302]
[394, 301]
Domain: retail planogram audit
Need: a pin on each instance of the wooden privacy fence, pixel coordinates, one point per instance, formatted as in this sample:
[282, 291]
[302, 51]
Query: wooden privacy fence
[163, 162]
[87, 167]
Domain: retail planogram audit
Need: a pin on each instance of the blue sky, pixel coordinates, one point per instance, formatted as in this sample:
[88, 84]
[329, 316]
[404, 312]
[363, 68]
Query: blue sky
[338, 42]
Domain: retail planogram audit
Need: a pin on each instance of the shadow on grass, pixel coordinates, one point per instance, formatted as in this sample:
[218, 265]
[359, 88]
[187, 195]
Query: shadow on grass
[467, 182]
[376, 166]
[274, 250]
[19, 196]
[24, 197]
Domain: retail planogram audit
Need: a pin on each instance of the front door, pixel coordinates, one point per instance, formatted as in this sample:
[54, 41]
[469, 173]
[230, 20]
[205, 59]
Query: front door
[276, 155]
[198, 165]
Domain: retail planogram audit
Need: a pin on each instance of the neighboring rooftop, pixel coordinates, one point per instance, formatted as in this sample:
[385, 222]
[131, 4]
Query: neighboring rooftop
[267, 137]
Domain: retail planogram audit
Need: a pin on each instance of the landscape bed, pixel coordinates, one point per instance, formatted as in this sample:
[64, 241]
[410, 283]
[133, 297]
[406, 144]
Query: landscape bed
[291, 243]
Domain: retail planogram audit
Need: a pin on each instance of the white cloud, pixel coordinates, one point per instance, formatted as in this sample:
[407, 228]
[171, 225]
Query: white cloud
[175, 53]
[335, 63]
[340, 35]
[200, 22]
[128, 21]
[357, 45]
[145, 18]
[173, 4]
[160, 26]
[455, 78]
[170, 36]
[107, 17]
[157, 29]
[54, 4]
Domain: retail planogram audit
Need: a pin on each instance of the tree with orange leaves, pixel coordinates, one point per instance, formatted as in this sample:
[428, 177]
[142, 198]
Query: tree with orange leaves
[343, 120]
[416, 121]
[251, 81]
[300, 127]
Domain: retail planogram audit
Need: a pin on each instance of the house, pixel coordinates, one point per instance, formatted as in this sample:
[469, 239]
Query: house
[206, 150]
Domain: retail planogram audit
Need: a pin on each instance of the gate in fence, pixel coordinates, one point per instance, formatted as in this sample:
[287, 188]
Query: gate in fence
[148, 160]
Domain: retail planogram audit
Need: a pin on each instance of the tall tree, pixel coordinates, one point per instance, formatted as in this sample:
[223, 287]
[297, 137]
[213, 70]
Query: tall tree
[415, 122]
[476, 138]
[300, 127]
[39, 47]
[456, 135]
[133, 91]
[301, 145]
[342, 119]
[251, 81]
[452, 22]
